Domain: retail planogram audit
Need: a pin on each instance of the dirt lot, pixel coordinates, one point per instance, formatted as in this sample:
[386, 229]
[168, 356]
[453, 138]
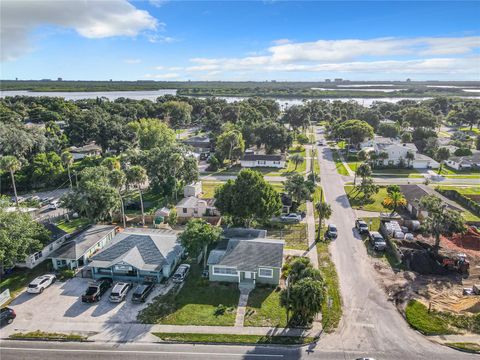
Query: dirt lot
[443, 292]
[61, 302]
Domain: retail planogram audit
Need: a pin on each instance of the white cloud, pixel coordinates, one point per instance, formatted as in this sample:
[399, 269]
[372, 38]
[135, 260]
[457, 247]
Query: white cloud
[157, 3]
[281, 41]
[387, 55]
[157, 38]
[89, 18]
[132, 61]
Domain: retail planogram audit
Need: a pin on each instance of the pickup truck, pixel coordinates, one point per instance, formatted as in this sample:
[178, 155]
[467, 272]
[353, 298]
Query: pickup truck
[96, 290]
[377, 241]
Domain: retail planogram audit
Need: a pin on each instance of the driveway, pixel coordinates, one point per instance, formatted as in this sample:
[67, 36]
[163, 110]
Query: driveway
[61, 303]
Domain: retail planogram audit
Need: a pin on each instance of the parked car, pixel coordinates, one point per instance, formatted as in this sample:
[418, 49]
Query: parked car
[119, 292]
[361, 226]
[40, 283]
[321, 143]
[142, 291]
[181, 273]
[6, 316]
[292, 217]
[377, 241]
[55, 204]
[332, 232]
[96, 289]
[45, 200]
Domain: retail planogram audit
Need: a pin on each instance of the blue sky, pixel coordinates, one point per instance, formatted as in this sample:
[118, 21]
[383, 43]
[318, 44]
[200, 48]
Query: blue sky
[240, 40]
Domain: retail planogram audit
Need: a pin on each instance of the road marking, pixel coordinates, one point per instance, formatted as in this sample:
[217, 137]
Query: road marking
[364, 325]
[143, 352]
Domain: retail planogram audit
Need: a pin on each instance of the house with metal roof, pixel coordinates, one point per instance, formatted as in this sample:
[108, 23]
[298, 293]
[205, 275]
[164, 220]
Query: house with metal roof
[138, 254]
[78, 250]
[246, 259]
[251, 160]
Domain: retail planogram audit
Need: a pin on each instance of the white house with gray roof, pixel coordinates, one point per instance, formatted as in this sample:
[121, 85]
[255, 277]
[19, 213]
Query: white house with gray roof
[77, 251]
[138, 254]
[247, 259]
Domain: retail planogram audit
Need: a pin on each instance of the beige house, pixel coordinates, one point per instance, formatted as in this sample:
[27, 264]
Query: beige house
[193, 207]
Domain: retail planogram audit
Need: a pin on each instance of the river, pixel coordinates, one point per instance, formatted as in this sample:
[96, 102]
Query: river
[153, 94]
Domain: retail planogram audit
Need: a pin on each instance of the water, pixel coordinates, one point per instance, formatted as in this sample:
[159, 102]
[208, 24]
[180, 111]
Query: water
[79, 95]
[153, 94]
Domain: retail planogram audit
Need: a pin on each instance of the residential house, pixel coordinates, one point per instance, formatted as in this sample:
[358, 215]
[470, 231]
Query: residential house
[251, 160]
[200, 144]
[464, 162]
[138, 254]
[397, 154]
[57, 239]
[82, 152]
[247, 258]
[413, 194]
[77, 251]
[193, 207]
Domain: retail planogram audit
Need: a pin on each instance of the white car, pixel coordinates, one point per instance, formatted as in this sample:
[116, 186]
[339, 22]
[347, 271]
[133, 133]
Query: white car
[41, 283]
[292, 217]
[54, 205]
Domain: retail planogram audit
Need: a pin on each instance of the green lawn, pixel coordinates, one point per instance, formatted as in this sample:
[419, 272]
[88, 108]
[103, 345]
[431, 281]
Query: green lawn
[464, 190]
[208, 188]
[374, 204]
[332, 304]
[410, 173]
[263, 308]
[353, 165]
[294, 235]
[459, 174]
[234, 339]
[199, 302]
[47, 336]
[341, 169]
[73, 225]
[21, 277]
[427, 323]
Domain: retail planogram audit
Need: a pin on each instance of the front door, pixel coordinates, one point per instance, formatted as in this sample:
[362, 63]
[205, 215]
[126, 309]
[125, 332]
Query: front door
[248, 275]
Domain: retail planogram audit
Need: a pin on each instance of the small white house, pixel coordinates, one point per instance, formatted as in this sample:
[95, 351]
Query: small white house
[193, 189]
[82, 152]
[263, 160]
[398, 152]
[193, 207]
[464, 162]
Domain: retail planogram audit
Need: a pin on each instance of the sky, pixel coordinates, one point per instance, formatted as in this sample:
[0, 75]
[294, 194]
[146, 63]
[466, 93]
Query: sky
[239, 40]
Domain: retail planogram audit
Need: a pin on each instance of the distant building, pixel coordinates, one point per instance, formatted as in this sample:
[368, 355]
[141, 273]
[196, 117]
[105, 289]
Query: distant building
[338, 80]
[59, 79]
[82, 152]
[328, 80]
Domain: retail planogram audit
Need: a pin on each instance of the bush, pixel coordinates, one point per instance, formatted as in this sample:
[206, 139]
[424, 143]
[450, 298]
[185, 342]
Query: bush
[220, 310]
[428, 323]
[66, 274]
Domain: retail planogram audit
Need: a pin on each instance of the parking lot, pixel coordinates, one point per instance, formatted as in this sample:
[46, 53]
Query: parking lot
[61, 302]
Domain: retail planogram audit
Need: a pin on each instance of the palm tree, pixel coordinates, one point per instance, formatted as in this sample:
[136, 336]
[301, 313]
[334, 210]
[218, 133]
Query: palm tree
[364, 171]
[441, 156]
[117, 180]
[410, 157]
[324, 212]
[393, 200]
[11, 164]
[67, 160]
[362, 156]
[176, 163]
[136, 176]
[383, 156]
[297, 159]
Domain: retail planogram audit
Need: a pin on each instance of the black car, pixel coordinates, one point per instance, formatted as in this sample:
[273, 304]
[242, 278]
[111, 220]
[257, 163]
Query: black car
[142, 291]
[6, 316]
[96, 290]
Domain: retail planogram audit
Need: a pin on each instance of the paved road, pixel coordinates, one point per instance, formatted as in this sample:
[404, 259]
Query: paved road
[370, 322]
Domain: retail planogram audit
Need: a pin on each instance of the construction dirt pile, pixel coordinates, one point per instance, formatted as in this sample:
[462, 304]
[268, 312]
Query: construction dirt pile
[470, 240]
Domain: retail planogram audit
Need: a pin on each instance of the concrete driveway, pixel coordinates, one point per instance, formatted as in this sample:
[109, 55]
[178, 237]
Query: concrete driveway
[62, 302]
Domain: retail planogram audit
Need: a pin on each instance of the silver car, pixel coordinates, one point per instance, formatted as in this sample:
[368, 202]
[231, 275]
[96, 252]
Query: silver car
[181, 273]
[119, 292]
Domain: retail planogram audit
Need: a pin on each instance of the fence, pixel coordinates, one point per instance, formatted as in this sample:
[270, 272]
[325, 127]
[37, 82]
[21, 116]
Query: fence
[466, 202]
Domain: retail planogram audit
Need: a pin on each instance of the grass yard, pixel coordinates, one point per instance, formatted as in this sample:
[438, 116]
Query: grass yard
[19, 278]
[428, 323]
[464, 190]
[465, 346]
[341, 169]
[294, 235]
[409, 173]
[234, 339]
[263, 308]
[332, 304]
[374, 204]
[208, 188]
[459, 174]
[47, 336]
[199, 302]
[72, 225]
[353, 165]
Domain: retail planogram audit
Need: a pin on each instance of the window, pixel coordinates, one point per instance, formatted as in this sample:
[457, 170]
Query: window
[229, 271]
[185, 210]
[262, 162]
[37, 255]
[265, 273]
[276, 162]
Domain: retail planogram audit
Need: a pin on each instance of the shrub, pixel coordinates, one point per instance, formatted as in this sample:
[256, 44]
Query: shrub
[220, 310]
[66, 274]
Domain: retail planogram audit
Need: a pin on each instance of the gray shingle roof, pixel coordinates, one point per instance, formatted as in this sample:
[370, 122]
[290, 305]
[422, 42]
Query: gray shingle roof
[78, 246]
[145, 249]
[413, 193]
[254, 157]
[249, 254]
